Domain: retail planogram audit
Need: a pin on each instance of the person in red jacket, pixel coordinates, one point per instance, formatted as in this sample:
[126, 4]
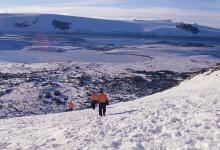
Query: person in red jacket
[70, 105]
[94, 99]
[103, 101]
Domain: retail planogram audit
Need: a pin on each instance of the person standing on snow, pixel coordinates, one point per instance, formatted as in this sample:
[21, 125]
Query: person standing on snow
[70, 105]
[103, 101]
[94, 99]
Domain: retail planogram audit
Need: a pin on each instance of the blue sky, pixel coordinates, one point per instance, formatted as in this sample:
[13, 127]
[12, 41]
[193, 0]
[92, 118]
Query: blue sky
[205, 12]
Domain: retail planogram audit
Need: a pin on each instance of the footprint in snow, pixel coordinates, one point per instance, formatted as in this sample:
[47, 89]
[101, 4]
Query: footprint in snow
[139, 146]
[156, 130]
[190, 142]
[175, 120]
[56, 145]
[3, 145]
[218, 123]
[200, 138]
[197, 125]
[99, 121]
[178, 134]
[116, 144]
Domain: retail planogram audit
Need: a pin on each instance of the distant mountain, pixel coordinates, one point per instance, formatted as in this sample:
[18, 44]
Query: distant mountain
[47, 23]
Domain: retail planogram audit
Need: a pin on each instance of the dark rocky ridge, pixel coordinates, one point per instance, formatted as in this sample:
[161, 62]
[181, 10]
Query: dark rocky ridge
[52, 87]
[188, 27]
[61, 25]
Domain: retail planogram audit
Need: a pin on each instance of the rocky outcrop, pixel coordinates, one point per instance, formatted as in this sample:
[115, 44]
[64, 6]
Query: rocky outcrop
[188, 27]
[24, 24]
[61, 25]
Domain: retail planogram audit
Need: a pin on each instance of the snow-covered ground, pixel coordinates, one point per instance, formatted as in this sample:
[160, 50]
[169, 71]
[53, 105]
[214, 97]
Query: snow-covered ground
[46, 23]
[184, 117]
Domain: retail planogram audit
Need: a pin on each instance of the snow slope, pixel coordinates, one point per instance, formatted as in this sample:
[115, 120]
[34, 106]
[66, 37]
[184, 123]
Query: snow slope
[26, 23]
[184, 117]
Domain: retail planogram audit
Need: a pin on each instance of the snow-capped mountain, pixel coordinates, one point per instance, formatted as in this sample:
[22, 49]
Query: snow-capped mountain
[46, 23]
[184, 117]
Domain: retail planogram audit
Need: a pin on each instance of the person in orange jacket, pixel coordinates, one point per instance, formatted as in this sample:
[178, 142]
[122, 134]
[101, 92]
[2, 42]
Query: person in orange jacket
[70, 105]
[94, 99]
[103, 101]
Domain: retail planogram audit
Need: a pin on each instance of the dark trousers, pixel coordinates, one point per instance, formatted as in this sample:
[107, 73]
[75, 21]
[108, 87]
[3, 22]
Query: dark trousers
[93, 104]
[102, 109]
[70, 109]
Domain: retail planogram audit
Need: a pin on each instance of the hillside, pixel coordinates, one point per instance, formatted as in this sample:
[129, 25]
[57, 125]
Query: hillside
[46, 23]
[42, 88]
[184, 117]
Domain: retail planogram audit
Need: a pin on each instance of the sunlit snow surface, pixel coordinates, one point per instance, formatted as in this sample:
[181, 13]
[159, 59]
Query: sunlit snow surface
[184, 117]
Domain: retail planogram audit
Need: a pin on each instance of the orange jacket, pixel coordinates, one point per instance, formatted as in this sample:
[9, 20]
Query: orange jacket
[94, 97]
[70, 104]
[102, 98]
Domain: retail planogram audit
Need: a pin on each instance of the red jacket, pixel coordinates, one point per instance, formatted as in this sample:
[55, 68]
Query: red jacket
[70, 104]
[102, 98]
[94, 98]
